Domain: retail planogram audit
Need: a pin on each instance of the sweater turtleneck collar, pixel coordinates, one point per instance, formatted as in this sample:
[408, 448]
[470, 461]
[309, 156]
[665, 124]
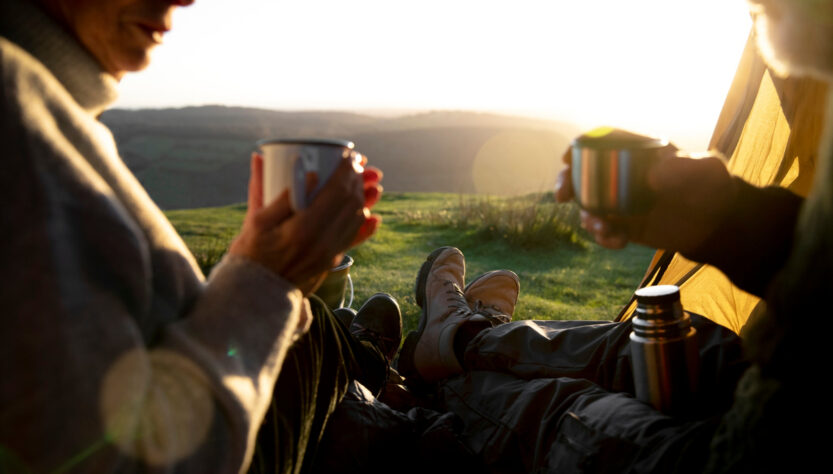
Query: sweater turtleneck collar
[25, 24]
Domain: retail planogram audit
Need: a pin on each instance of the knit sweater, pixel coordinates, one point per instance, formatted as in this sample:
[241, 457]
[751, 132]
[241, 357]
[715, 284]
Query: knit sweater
[115, 353]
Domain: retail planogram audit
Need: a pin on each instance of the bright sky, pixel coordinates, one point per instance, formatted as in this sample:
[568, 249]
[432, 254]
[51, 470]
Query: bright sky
[656, 66]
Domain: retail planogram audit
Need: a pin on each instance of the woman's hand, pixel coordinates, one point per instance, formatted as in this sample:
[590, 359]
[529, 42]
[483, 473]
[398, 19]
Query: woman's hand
[693, 197]
[303, 246]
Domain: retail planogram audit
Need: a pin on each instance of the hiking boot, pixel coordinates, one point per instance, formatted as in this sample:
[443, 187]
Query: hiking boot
[494, 295]
[345, 315]
[428, 353]
[379, 321]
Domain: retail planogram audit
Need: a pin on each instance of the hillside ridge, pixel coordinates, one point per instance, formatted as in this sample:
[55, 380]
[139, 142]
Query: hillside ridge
[197, 156]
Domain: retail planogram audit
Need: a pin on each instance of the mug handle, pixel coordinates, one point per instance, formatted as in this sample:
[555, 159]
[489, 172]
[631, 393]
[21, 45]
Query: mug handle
[350, 285]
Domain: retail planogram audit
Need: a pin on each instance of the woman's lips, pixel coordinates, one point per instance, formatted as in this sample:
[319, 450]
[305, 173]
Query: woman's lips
[154, 32]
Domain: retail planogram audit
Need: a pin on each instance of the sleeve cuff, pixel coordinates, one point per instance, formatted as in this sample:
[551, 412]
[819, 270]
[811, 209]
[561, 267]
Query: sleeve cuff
[247, 306]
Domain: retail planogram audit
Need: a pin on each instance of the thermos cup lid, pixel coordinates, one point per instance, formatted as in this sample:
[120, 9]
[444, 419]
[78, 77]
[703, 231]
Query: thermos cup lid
[614, 138]
[659, 294]
[307, 141]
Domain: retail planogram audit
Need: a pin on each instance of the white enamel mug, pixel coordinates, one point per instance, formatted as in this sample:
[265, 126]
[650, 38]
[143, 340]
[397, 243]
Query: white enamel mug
[290, 163]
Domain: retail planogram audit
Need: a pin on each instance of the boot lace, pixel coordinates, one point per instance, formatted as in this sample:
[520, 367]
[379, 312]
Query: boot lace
[490, 312]
[386, 344]
[456, 298]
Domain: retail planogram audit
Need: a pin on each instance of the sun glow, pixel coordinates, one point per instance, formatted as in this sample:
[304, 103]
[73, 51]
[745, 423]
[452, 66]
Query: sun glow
[657, 66]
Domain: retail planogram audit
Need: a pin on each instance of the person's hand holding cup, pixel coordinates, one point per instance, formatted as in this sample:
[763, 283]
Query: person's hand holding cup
[681, 199]
[309, 202]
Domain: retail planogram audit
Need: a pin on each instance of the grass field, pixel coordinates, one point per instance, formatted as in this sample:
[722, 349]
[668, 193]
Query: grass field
[563, 275]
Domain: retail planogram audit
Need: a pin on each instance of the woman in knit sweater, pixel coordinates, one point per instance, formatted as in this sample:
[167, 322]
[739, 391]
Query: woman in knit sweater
[116, 353]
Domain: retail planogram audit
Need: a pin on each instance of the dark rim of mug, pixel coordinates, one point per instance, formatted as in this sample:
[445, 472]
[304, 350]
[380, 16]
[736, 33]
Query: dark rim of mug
[658, 294]
[346, 262]
[612, 138]
[597, 144]
[307, 141]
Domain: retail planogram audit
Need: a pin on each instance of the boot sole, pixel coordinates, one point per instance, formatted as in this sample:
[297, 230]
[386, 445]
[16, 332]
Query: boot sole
[422, 278]
[405, 363]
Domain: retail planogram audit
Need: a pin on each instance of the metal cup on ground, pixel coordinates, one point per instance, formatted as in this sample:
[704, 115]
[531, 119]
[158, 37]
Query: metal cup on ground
[333, 291]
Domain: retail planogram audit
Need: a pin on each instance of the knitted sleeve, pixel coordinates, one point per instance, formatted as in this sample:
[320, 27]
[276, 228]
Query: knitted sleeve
[109, 361]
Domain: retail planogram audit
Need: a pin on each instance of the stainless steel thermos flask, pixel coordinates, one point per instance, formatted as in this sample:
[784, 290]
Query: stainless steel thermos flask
[664, 353]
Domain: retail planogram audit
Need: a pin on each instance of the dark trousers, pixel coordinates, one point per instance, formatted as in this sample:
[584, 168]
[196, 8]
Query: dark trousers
[313, 380]
[551, 396]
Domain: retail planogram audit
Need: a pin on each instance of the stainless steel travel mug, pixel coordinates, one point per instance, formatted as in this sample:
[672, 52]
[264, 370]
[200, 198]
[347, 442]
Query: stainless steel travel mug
[610, 168]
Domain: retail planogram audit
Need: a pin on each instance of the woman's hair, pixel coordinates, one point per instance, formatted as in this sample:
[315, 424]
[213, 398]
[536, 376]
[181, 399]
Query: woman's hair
[795, 37]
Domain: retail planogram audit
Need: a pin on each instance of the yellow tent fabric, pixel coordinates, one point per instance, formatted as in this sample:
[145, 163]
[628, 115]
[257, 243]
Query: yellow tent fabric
[770, 128]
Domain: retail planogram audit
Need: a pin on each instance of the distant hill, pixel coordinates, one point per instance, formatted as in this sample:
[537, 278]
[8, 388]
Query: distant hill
[198, 156]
